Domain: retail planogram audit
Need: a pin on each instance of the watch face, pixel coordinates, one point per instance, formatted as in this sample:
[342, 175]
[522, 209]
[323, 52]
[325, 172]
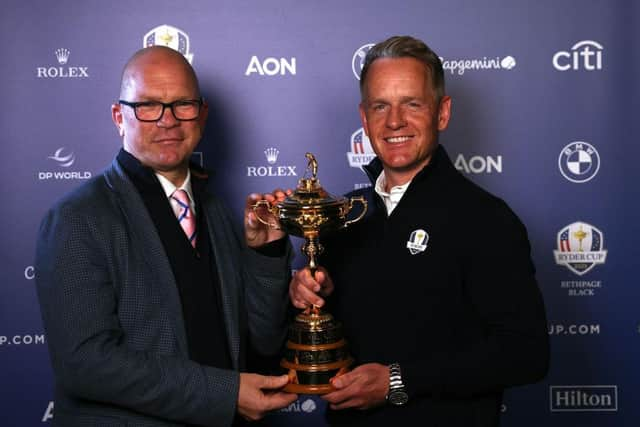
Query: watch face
[398, 398]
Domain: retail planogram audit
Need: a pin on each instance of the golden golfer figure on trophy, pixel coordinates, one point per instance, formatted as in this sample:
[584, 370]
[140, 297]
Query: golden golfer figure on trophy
[316, 350]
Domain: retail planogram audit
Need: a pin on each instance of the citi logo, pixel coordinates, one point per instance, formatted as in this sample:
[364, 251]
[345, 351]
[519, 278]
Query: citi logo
[574, 398]
[271, 154]
[271, 66]
[479, 164]
[62, 56]
[584, 55]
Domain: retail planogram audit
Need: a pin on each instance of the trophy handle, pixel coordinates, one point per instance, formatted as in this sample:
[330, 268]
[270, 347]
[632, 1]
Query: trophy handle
[364, 209]
[270, 209]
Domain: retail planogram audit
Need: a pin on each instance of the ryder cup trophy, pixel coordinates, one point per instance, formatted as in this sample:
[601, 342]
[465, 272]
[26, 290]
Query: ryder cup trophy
[316, 350]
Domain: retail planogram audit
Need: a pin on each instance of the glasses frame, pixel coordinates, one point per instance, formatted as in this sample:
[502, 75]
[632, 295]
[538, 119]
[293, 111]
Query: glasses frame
[165, 105]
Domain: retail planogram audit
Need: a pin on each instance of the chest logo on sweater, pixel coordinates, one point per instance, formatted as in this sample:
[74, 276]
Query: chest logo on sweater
[418, 241]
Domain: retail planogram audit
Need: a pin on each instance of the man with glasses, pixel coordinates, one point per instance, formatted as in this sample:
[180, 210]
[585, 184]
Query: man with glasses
[148, 297]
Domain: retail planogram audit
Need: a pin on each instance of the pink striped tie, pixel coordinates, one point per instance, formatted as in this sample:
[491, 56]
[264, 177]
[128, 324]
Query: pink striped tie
[185, 215]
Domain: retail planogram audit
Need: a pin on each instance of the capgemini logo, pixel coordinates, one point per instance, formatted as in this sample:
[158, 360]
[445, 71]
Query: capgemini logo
[64, 161]
[62, 55]
[272, 155]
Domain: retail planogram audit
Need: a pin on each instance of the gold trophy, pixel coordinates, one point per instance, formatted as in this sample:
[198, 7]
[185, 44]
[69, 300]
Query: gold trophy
[316, 350]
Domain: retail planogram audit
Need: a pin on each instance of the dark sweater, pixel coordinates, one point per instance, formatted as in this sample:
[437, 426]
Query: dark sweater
[464, 317]
[195, 271]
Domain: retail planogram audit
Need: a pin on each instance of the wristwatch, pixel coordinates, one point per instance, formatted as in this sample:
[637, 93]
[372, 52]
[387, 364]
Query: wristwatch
[397, 395]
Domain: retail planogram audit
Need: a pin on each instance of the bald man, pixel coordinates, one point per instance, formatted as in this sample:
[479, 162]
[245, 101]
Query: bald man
[148, 296]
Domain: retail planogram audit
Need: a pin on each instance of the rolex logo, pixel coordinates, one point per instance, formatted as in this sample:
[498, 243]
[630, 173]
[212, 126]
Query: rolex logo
[62, 70]
[272, 155]
[62, 55]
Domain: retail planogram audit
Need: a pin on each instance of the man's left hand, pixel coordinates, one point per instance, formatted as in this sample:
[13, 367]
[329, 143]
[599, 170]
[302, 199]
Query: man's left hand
[256, 233]
[362, 388]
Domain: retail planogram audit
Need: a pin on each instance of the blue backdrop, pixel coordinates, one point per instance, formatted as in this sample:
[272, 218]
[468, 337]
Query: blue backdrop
[544, 102]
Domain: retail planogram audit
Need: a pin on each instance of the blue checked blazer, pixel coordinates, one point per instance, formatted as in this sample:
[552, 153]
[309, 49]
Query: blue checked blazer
[113, 317]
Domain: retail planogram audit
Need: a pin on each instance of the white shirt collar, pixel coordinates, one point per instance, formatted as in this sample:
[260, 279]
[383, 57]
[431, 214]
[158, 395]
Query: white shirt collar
[393, 196]
[169, 188]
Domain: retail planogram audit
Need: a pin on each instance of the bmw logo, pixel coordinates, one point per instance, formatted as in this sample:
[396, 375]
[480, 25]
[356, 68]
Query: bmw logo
[579, 162]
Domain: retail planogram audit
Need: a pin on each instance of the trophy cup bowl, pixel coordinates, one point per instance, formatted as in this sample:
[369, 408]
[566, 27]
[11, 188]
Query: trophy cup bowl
[316, 350]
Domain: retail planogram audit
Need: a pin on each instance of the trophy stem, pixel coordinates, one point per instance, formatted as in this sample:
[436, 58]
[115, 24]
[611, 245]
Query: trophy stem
[312, 248]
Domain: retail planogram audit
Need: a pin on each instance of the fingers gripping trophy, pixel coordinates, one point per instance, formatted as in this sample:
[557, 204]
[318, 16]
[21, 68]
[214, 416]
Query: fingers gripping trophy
[316, 350]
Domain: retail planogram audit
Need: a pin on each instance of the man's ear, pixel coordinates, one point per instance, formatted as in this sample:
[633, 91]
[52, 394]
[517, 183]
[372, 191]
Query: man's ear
[116, 116]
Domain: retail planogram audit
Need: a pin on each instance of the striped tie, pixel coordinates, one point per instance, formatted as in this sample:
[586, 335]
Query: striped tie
[185, 215]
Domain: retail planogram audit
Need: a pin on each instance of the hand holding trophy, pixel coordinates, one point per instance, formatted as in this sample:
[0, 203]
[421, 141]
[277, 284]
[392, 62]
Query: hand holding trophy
[316, 350]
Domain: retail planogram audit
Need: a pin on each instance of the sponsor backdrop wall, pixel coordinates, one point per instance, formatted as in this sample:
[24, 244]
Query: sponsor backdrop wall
[545, 103]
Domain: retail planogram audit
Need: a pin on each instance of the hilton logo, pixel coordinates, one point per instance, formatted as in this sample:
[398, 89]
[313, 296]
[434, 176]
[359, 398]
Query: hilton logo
[62, 56]
[574, 398]
[271, 155]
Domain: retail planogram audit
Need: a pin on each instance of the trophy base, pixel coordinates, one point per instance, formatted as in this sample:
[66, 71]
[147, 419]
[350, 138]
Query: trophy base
[309, 388]
[315, 353]
[313, 379]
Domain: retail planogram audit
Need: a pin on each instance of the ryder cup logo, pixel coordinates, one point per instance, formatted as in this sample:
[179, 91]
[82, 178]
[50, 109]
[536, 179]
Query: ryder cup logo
[580, 247]
[579, 162]
[361, 151]
[418, 241]
[166, 35]
[357, 62]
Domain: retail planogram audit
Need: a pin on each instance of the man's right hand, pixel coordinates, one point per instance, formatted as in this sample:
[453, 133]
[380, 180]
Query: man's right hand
[260, 394]
[306, 290]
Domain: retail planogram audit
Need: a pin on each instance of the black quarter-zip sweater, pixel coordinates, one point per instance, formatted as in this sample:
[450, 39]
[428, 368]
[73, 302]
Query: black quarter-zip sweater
[463, 315]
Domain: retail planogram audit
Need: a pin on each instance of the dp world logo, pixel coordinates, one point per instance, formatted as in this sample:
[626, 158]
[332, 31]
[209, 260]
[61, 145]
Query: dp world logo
[580, 247]
[579, 162]
[62, 158]
[166, 35]
[357, 62]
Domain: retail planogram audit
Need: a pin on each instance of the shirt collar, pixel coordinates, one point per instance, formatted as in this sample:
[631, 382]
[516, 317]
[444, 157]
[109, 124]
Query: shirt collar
[169, 188]
[392, 197]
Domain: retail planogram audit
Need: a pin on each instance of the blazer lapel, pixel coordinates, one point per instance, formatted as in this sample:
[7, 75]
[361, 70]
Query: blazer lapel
[220, 236]
[143, 229]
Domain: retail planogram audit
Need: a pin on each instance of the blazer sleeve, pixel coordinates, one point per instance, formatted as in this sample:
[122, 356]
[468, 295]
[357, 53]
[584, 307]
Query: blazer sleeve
[92, 358]
[264, 280]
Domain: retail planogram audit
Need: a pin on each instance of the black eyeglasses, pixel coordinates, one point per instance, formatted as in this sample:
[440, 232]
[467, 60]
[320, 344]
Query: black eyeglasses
[152, 111]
